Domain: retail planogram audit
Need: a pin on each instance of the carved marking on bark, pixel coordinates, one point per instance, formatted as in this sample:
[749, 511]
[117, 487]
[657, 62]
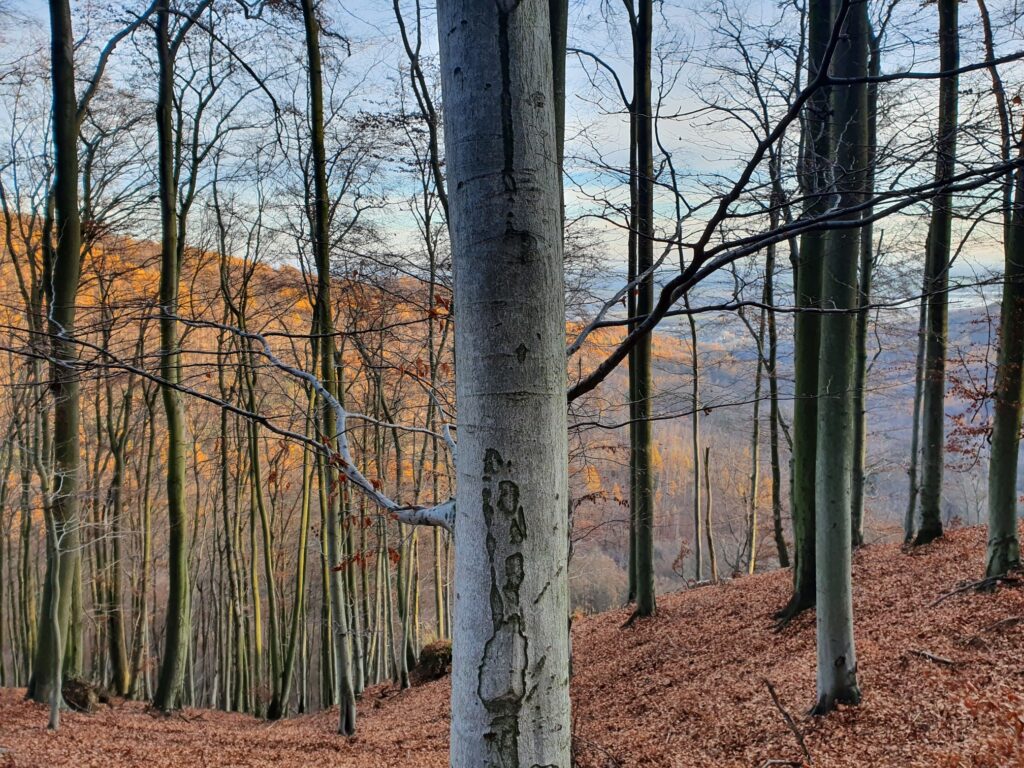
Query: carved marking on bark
[501, 677]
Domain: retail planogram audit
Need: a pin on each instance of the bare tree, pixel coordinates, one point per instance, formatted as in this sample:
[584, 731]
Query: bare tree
[933, 403]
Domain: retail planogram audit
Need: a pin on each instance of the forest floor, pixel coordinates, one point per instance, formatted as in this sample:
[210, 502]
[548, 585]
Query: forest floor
[943, 685]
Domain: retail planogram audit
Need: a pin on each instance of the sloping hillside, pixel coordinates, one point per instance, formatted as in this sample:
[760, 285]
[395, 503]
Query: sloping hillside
[942, 687]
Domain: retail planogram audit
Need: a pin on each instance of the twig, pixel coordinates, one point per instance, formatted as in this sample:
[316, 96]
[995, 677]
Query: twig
[611, 759]
[791, 724]
[442, 515]
[1009, 621]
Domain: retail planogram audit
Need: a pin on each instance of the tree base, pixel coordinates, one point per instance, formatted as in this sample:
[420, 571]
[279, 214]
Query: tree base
[347, 720]
[927, 535]
[828, 702]
[1003, 557]
[275, 711]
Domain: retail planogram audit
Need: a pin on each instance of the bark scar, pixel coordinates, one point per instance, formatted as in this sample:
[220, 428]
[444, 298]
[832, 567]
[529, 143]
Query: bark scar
[505, 8]
[501, 676]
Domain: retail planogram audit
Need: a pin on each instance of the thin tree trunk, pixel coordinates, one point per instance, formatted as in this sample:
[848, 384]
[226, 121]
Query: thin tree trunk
[325, 328]
[118, 434]
[867, 266]
[328, 679]
[140, 643]
[773, 410]
[5, 533]
[267, 542]
[118, 648]
[631, 360]
[643, 450]
[755, 454]
[279, 705]
[698, 565]
[933, 405]
[178, 619]
[62, 508]
[56, 699]
[708, 527]
[910, 517]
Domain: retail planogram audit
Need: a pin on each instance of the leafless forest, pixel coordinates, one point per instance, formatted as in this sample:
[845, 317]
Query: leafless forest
[351, 346]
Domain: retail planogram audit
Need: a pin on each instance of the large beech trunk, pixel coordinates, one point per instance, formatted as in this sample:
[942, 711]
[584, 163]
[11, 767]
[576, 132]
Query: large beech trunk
[510, 694]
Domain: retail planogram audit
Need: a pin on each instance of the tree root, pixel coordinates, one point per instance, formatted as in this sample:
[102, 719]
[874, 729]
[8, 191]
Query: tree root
[797, 604]
[989, 583]
[633, 619]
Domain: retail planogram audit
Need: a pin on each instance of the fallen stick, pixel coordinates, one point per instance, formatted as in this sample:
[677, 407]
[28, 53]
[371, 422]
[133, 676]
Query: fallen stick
[932, 657]
[791, 724]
